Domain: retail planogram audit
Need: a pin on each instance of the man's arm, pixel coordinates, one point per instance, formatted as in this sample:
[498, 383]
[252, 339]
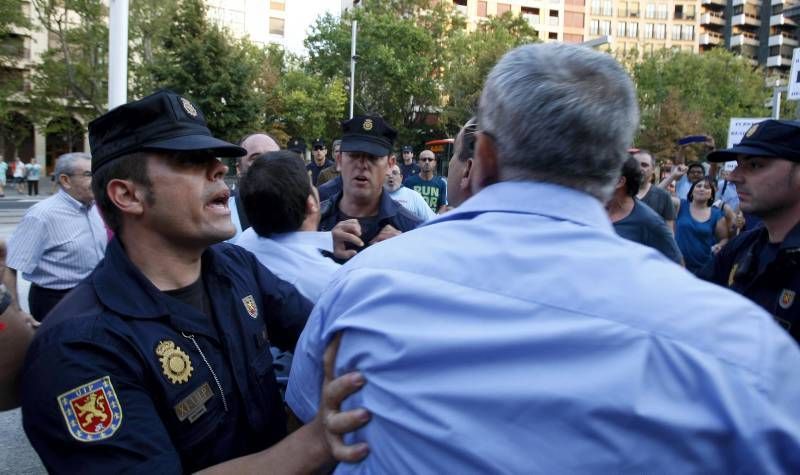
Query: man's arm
[318, 443]
[10, 281]
[677, 172]
[15, 336]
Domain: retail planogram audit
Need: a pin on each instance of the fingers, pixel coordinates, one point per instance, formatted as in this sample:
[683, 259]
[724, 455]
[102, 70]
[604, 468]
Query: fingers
[329, 358]
[387, 232]
[335, 391]
[344, 232]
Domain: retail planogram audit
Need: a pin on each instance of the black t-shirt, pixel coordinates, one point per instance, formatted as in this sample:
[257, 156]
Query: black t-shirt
[644, 226]
[660, 201]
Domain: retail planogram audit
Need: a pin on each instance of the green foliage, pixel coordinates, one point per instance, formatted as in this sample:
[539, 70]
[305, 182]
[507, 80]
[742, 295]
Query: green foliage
[308, 105]
[71, 79]
[220, 74]
[471, 54]
[716, 85]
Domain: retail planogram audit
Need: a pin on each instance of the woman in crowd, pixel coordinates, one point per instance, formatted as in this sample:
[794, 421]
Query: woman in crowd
[700, 229]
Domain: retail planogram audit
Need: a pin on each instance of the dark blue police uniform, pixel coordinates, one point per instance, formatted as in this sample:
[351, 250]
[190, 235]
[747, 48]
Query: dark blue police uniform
[768, 274]
[125, 378]
[389, 212]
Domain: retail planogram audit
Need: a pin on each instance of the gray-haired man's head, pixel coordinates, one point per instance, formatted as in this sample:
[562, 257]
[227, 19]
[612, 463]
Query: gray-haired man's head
[560, 113]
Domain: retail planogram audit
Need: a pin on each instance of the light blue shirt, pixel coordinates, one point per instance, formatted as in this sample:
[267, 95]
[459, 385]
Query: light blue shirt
[232, 206]
[34, 171]
[729, 196]
[295, 258]
[412, 201]
[58, 242]
[520, 334]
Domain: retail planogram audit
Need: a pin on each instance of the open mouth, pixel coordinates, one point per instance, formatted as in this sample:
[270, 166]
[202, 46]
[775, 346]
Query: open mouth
[361, 179]
[219, 200]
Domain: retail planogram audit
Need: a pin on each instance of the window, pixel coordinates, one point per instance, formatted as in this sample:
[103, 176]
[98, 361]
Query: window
[594, 26]
[607, 8]
[688, 33]
[572, 38]
[595, 7]
[678, 14]
[648, 31]
[633, 30]
[621, 29]
[279, 6]
[738, 9]
[482, 9]
[650, 10]
[622, 9]
[552, 35]
[501, 8]
[633, 9]
[661, 12]
[462, 3]
[553, 20]
[689, 12]
[276, 26]
[676, 32]
[661, 31]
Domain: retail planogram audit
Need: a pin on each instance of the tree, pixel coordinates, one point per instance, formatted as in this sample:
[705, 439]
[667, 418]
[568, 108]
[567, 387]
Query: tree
[674, 119]
[72, 77]
[716, 85]
[471, 54]
[401, 57]
[308, 105]
[203, 62]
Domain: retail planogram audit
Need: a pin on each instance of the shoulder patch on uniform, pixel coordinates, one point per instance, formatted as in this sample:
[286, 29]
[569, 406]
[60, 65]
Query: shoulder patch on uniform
[250, 305]
[92, 411]
[786, 299]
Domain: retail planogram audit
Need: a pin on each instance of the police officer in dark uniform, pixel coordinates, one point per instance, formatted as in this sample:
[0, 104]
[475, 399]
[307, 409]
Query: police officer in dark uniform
[159, 361]
[408, 167]
[362, 213]
[319, 160]
[763, 264]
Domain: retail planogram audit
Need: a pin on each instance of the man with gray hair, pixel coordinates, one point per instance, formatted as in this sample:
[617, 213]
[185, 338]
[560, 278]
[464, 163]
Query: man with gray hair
[60, 240]
[522, 335]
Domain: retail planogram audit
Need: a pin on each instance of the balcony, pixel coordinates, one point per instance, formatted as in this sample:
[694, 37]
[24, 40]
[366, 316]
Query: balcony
[532, 18]
[743, 39]
[710, 39]
[715, 3]
[712, 19]
[776, 2]
[739, 2]
[781, 20]
[781, 40]
[778, 62]
[745, 19]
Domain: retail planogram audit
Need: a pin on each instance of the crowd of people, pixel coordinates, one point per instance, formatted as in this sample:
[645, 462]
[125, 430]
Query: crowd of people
[360, 313]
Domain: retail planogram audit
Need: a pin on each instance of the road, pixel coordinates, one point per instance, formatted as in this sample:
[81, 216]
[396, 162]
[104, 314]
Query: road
[16, 454]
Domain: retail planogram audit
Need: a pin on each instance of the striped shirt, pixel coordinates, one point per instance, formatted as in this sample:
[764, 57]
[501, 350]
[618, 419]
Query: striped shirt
[58, 242]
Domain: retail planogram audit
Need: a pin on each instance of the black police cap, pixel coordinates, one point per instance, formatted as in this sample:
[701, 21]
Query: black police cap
[318, 143]
[163, 121]
[297, 145]
[770, 138]
[408, 148]
[368, 134]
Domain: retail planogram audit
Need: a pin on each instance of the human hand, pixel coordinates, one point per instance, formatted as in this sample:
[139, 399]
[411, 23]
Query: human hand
[347, 231]
[336, 423]
[679, 170]
[716, 248]
[387, 232]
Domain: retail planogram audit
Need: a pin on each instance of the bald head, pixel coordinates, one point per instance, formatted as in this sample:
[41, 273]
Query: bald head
[255, 144]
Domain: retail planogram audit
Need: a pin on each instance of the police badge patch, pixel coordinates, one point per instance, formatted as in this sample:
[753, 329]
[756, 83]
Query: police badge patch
[250, 304]
[92, 411]
[786, 299]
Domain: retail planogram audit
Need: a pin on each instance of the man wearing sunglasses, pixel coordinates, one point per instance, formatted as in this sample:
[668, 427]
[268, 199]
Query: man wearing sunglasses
[433, 188]
[319, 160]
[59, 241]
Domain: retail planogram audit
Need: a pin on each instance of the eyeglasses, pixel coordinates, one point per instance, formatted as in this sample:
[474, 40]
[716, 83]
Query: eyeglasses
[86, 174]
[427, 159]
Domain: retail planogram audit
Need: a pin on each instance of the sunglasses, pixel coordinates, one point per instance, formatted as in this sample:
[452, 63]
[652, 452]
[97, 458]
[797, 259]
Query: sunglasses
[319, 148]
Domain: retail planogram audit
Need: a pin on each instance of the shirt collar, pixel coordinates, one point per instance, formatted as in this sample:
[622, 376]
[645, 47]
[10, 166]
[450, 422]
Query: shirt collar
[387, 208]
[530, 197]
[317, 239]
[70, 201]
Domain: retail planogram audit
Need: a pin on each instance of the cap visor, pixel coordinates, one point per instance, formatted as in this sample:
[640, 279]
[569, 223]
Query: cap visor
[365, 147]
[729, 154]
[188, 143]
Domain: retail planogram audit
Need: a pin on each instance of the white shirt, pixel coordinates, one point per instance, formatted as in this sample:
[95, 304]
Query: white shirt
[294, 257]
[413, 201]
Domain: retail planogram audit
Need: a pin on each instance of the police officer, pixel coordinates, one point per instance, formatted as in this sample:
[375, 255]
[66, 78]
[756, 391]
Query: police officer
[763, 264]
[362, 212]
[159, 361]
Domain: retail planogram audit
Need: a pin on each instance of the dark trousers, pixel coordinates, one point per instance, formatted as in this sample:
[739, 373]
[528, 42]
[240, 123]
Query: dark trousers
[33, 187]
[42, 300]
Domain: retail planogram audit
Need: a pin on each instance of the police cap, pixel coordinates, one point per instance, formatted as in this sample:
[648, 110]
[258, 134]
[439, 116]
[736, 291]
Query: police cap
[770, 138]
[297, 145]
[318, 144]
[163, 121]
[369, 134]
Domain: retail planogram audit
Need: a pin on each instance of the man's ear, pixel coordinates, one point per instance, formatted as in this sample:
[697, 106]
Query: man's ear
[312, 204]
[127, 196]
[338, 158]
[484, 170]
[464, 182]
[392, 161]
[64, 181]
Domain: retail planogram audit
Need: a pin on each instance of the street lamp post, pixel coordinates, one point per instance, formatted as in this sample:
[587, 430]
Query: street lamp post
[353, 59]
[118, 53]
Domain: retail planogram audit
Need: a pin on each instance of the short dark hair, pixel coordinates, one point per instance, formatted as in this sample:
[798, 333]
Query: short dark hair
[695, 165]
[274, 193]
[127, 167]
[632, 172]
[710, 183]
